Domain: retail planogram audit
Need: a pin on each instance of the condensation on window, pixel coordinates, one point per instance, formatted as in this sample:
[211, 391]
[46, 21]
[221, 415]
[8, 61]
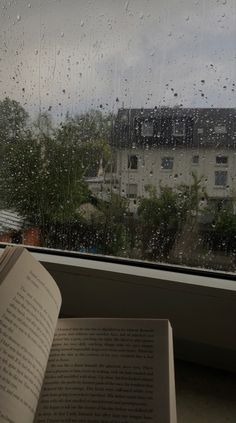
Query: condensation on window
[118, 128]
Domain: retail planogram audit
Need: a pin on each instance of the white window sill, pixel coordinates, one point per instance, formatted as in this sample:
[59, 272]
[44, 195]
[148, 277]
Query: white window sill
[201, 308]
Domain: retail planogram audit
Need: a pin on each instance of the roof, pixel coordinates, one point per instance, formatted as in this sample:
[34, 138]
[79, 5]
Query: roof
[211, 127]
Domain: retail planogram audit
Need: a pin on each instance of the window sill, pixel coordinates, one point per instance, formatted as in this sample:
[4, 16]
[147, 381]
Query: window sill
[201, 308]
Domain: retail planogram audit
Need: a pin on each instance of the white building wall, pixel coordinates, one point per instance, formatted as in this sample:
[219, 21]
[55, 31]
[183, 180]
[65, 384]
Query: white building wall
[150, 172]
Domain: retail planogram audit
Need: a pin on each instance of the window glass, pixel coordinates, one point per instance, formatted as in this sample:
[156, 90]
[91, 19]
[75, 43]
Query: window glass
[221, 159]
[118, 128]
[167, 162]
[220, 129]
[133, 162]
[147, 129]
[178, 127]
[195, 159]
[131, 190]
[221, 178]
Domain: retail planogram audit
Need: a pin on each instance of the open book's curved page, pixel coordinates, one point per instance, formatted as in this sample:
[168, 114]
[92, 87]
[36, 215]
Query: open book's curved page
[29, 306]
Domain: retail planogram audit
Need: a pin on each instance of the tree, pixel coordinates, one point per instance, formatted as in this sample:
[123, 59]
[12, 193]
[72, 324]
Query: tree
[88, 132]
[13, 120]
[111, 233]
[43, 126]
[43, 181]
[43, 171]
[189, 239]
[191, 195]
[222, 235]
[90, 125]
[160, 218]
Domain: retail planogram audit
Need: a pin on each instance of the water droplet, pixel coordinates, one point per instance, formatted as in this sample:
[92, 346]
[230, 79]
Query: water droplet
[62, 34]
[81, 23]
[36, 51]
[18, 18]
[29, 5]
[169, 34]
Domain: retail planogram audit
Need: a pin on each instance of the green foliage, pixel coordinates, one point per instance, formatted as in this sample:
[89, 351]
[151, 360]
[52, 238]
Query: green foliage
[13, 119]
[111, 228]
[191, 195]
[88, 132]
[42, 180]
[160, 218]
[223, 232]
[43, 170]
[43, 126]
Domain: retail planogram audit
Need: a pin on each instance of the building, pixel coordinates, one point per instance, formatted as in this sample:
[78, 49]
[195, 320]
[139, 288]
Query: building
[163, 147]
[14, 229]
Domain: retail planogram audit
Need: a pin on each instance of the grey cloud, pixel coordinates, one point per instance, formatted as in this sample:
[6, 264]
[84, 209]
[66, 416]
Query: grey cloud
[73, 55]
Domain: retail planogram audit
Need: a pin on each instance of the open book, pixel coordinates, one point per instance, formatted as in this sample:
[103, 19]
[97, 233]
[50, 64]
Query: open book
[76, 370]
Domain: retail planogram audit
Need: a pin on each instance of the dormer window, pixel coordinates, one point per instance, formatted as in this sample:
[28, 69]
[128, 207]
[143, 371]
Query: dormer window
[220, 129]
[147, 128]
[178, 127]
[200, 131]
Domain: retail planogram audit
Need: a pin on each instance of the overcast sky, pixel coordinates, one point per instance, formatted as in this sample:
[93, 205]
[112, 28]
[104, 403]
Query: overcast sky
[73, 55]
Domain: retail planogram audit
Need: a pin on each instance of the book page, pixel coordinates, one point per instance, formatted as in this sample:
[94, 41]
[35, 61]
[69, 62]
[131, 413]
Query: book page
[29, 307]
[107, 371]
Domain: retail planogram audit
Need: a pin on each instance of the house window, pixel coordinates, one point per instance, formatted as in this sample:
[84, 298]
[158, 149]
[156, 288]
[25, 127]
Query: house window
[222, 160]
[221, 177]
[167, 163]
[132, 162]
[131, 190]
[179, 127]
[147, 128]
[195, 160]
[220, 129]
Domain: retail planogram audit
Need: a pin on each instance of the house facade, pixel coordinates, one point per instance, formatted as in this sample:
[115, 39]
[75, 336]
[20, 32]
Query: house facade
[163, 147]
